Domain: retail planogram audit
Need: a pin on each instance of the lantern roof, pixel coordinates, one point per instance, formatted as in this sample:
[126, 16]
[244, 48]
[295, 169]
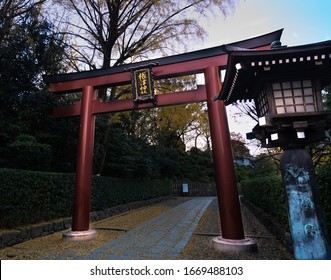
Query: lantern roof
[248, 70]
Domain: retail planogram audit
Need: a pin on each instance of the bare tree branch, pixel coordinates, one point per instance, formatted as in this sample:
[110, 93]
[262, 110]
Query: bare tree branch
[125, 29]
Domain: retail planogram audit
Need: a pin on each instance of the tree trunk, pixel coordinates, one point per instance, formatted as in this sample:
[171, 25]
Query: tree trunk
[99, 160]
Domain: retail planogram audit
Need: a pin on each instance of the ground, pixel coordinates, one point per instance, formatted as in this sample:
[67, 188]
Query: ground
[199, 246]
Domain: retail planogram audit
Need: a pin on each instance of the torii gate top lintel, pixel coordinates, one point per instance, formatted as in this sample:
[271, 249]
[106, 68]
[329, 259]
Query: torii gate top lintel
[171, 66]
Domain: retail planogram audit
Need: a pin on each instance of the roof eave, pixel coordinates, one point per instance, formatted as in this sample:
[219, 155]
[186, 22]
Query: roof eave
[240, 56]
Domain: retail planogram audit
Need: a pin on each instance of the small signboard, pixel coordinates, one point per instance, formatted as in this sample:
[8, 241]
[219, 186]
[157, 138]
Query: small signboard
[142, 85]
[185, 188]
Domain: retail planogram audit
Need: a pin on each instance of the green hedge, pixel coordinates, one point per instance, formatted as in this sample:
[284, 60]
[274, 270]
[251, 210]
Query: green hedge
[30, 197]
[323, 174]
[107, 191]
[268, 194]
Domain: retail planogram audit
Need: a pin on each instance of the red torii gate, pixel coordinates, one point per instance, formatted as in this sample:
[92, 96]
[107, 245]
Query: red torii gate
[207, 61]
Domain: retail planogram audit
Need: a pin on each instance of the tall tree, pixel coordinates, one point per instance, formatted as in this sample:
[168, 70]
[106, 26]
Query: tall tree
[321, 152]
[240, 151]
[201, 130]
[11, 11]
[106, 33]
[28, 50]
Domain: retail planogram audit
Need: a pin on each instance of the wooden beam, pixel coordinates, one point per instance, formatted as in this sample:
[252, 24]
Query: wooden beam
[159, 72]
[167, 99]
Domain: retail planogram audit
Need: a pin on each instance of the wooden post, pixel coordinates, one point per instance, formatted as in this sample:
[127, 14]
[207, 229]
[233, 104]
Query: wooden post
[233, 238]
[83, 186]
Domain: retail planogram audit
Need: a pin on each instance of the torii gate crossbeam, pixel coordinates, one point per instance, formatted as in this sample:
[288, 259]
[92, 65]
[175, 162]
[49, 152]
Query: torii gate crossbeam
[209, 62]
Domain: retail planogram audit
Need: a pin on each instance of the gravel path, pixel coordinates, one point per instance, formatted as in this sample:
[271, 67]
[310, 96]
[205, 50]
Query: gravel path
[198, 247]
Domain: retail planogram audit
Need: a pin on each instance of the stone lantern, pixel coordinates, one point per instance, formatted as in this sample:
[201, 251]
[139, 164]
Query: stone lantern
[286, 86]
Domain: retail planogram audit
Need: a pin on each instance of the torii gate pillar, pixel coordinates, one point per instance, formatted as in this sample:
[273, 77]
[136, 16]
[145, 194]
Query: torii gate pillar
[81, 213]
[232, 237]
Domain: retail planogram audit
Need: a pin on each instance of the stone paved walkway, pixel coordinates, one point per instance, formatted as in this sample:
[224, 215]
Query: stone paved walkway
[163, 237]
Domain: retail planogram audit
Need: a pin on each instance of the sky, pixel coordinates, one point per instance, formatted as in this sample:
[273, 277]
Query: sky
[303, 21]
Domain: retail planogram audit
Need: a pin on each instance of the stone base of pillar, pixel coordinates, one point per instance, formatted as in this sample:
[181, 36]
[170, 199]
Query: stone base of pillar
[234, 245]
[85, 235]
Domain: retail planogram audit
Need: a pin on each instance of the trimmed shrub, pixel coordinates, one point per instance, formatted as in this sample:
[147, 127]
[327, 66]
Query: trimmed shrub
[108, 192]
[28, 197]
[323, 174]
[268, 194]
